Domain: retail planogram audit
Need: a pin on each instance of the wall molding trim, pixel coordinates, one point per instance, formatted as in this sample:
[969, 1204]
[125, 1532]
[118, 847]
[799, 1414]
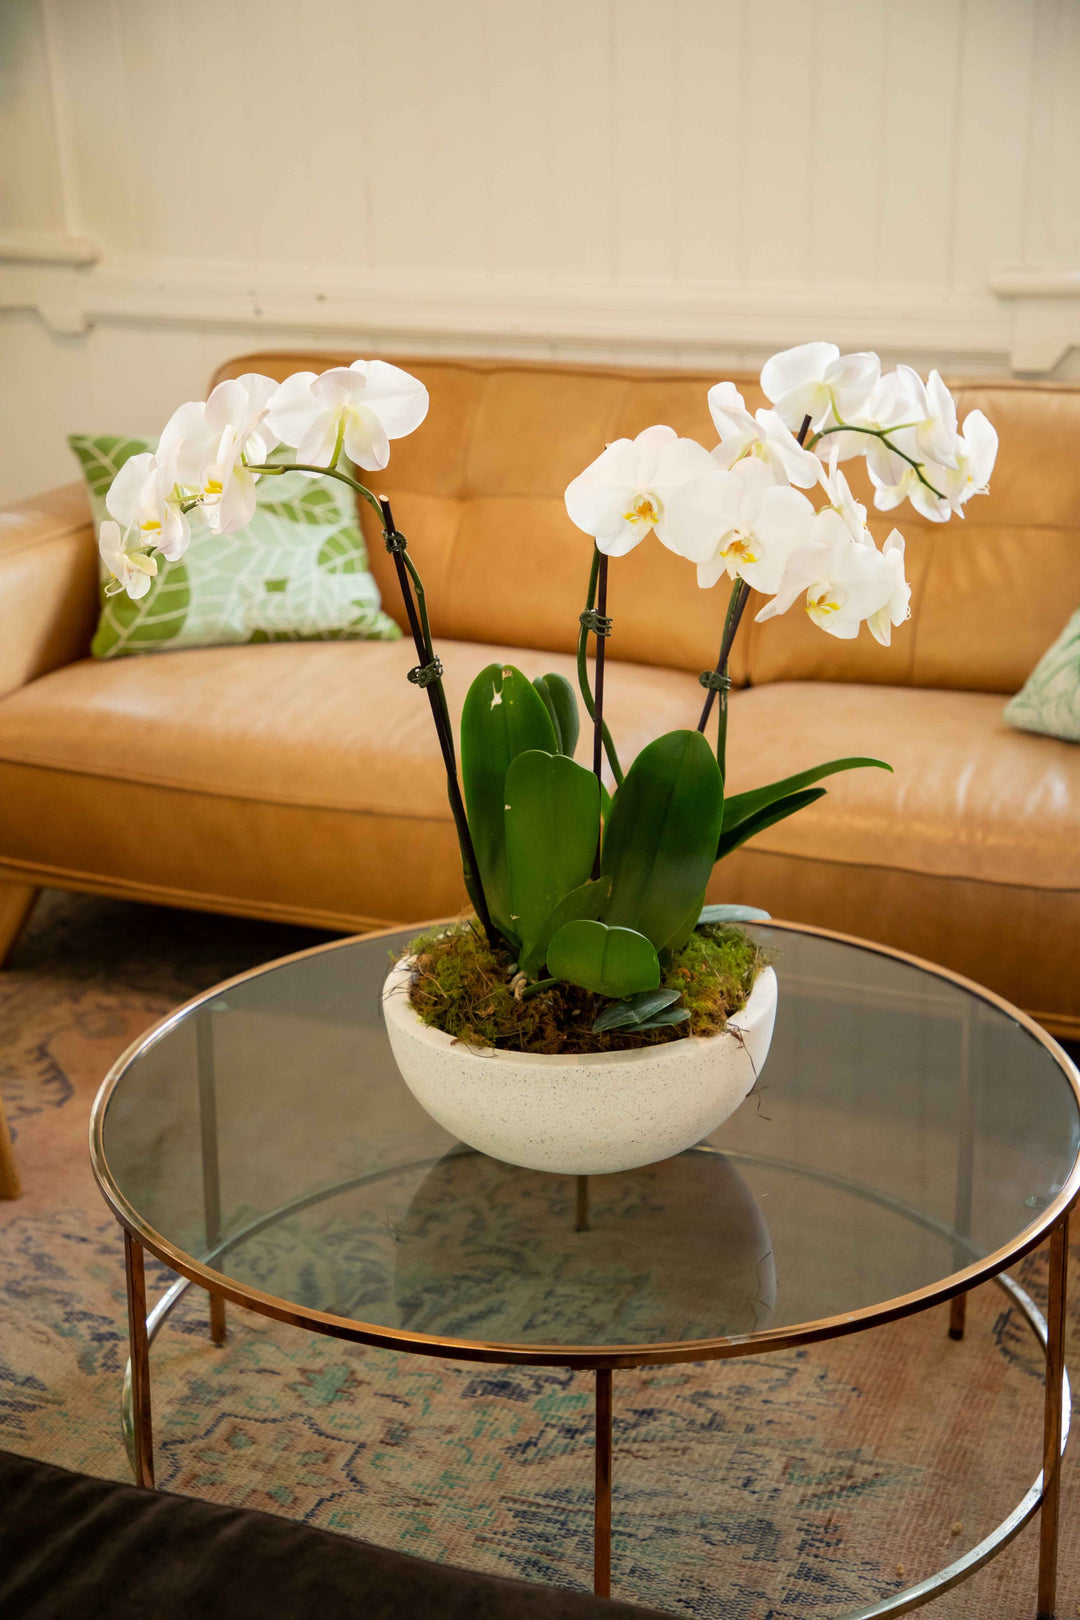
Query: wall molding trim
[1046, 315]
[72, 289]
[40, 247]
[1037, 284]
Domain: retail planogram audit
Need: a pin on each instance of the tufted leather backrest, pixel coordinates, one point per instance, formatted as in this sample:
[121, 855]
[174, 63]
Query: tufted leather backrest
[479, 493]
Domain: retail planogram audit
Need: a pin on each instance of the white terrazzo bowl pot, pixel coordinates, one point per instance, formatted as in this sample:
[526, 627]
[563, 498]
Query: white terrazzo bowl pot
[585, 1115]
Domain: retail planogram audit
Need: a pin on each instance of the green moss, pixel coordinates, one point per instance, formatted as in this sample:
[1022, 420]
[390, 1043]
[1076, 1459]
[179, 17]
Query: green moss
[463, 987]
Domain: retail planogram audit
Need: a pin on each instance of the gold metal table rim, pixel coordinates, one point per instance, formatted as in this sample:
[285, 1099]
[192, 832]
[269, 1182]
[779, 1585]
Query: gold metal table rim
[1053, 1222]
[577, 1356]
[582, 1357]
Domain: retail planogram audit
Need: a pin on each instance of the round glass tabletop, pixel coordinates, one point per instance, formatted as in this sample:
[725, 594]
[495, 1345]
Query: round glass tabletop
[909, 1134]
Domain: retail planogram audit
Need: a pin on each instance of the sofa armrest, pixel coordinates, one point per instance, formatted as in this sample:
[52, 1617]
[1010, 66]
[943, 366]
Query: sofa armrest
[48, 584]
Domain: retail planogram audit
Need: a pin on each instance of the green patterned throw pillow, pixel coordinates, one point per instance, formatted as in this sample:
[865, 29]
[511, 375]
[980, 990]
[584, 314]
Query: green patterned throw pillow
[297, 572]
[1049, 700]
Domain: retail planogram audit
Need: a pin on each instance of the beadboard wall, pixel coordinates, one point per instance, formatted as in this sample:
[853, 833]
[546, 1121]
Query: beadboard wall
[656, 181]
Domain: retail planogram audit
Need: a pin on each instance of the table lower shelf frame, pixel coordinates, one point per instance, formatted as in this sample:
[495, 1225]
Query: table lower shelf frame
[1044, 1492]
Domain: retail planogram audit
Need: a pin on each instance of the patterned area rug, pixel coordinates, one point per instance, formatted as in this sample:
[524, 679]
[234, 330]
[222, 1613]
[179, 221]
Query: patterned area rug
[794, 1487]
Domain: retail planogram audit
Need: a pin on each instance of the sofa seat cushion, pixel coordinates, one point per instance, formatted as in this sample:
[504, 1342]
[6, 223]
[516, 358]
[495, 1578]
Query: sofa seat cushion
[303, 782]
[76, 1548]
[969, 797]
[968, 855]
[296, 780]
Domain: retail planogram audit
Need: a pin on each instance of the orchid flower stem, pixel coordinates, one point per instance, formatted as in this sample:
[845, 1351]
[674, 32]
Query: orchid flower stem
[406, 566]
[421, 598]
[326, 472]
[421, 602]
[883, 435]
[408, 577]
[598, 718]
[740, 595]
[583, 674]
[436, 693]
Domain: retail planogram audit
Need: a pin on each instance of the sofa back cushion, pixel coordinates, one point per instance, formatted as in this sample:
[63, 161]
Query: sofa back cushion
[478, 491]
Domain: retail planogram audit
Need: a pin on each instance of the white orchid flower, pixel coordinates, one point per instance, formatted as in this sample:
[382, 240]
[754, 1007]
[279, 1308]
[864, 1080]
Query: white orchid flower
[897, 481]
[764, 524]
[362, 407]
[145, 500]
[654, 482]
[936, 435]
[845, 582]
[211, 446]
[898, 606]
[763, 435]
[918, 418]
[816, 381]
[977, 450]
[842, 500]
[897, 403]
[130, 569]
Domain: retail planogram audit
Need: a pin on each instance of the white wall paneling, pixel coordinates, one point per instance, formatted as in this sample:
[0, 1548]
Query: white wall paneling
[680, 181]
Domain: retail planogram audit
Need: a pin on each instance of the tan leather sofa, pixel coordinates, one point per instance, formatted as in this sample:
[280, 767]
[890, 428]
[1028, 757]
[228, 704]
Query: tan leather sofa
[302, 781]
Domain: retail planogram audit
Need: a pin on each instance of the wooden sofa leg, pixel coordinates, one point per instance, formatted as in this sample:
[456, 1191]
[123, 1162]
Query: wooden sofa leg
[9, 1176]
[16, 904]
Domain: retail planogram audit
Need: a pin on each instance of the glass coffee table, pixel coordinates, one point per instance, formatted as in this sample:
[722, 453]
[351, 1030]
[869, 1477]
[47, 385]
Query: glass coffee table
[912, 1136]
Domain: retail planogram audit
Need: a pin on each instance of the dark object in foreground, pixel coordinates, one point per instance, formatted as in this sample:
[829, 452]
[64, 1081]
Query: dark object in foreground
[77, 1548]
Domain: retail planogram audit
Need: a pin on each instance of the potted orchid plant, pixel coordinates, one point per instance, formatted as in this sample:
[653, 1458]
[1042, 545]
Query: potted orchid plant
[594, 1013]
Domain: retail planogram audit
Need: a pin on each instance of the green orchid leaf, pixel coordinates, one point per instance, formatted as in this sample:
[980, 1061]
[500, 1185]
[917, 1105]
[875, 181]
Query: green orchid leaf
[653, 1009]
[618, 1016]
[540, 683]
[732, 837]
[742, 805]
[652, 1001]
[607, 961]
[684, 929]
[661, 836]
[587, 901]
[636, 1010]
[503, 716]
[563, 699]
[674, 1015]
[732, 914]
[552, 832]
[561, 702]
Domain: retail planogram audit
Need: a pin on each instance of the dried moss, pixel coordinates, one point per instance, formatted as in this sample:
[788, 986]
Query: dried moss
[464, 988]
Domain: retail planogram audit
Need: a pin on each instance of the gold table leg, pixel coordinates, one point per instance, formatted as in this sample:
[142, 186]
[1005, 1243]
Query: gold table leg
[217, 1318]
[1052, 1422]
[965, 1168]
[602, 1507]
[211, 1169]
[140, 1361]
